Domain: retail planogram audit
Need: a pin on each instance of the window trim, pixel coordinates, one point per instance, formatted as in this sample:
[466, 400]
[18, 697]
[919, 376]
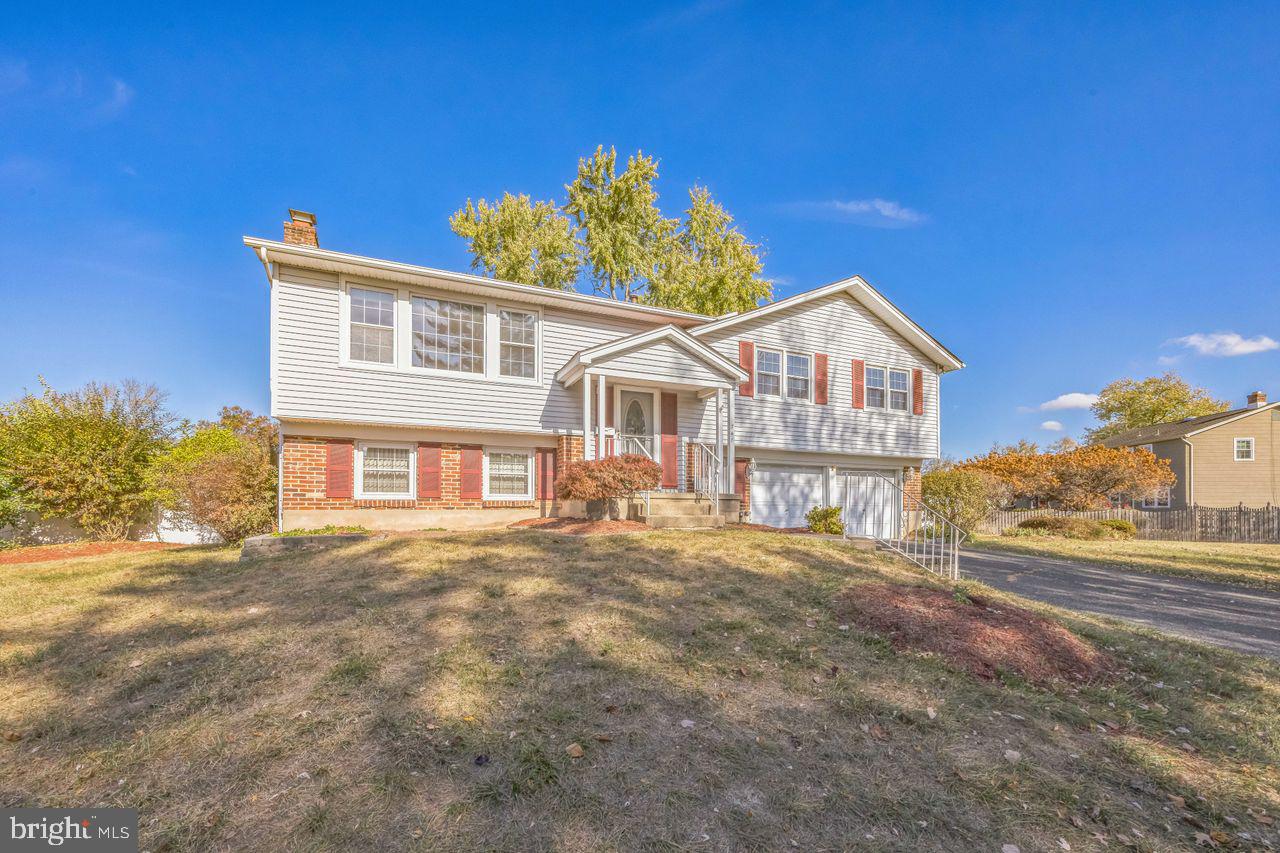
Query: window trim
[889, 391]
[1235, 448]
[358, 465]
[498, 308]
[783, 354]
[527, 452]
[402, 361]
[441, 371]
[344, 334]
[886, 408]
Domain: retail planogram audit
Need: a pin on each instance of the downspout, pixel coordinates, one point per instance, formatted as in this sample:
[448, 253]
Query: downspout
[266, 268]
[1191, 471]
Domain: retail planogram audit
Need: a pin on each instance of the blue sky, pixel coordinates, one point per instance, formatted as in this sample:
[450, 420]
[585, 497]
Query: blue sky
[1060, 193]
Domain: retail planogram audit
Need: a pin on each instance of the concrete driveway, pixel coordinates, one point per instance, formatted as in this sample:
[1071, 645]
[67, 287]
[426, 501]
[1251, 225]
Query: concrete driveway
[1236, 617]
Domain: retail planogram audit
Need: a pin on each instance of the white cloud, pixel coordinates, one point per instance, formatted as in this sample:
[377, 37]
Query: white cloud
[872, 212]
[1051, 426]
[1226, 344]
[116, 103]
[1168, 360]
[1074, 400]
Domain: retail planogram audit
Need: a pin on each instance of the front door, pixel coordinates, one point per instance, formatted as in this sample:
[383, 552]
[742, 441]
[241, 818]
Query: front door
[871, 505]
[637, 422]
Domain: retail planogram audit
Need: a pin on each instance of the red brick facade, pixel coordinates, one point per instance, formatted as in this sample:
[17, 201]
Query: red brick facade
[911, 482]
[304, 481]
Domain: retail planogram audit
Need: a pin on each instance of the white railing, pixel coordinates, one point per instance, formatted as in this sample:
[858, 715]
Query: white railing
[921, 534]
[707, 472]
[632, 444]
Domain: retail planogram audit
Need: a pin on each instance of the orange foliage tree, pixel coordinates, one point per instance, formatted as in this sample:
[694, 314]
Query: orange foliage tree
[1076, 477]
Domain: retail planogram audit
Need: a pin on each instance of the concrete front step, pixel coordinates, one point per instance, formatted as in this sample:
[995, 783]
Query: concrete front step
[682, 522]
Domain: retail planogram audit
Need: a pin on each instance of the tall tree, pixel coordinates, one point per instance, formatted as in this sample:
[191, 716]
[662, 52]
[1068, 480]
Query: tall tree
[1127, 403]
[519, 240]
[624, 235]
[710, 267]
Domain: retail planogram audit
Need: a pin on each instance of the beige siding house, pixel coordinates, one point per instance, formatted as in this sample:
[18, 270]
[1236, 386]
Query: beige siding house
[1223, 460]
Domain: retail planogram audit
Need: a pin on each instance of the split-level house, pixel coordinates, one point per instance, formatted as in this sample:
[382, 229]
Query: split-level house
[411, 397]
[1227, 459]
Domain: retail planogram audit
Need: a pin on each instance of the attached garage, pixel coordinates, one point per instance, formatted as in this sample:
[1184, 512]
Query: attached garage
[871, 503]
[782, 494]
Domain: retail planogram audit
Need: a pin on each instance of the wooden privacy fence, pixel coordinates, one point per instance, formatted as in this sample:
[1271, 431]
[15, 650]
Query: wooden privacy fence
[1193, 524]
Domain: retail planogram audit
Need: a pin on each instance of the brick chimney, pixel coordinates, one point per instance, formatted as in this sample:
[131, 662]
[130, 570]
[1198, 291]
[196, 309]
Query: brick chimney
[300, 230]
[1257, 399]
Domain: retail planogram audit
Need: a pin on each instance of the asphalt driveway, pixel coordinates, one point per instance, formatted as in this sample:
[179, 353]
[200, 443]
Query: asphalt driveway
[1236, 617]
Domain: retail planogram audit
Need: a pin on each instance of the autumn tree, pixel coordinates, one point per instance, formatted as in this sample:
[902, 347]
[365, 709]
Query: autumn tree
[519, 240]
[1128, 403]
[83, 455]
[1079, 477]
[611, 229]
[713, 269]
[1021, 467]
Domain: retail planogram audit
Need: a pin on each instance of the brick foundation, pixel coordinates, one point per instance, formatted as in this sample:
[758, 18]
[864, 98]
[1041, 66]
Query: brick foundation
[569, 449]
[911, 482]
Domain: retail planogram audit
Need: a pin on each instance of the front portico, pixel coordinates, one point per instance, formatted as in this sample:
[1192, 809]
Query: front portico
[662, 394]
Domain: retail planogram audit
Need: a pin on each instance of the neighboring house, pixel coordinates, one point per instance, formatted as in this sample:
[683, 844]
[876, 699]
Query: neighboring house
[410, 397]
[1223, 460]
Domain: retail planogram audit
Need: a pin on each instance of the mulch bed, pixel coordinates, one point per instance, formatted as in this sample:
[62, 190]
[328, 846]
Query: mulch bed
[581, 526]
[48, 553]
[978, 636]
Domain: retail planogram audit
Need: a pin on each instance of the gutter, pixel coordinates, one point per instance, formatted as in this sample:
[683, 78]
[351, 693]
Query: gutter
[1191, 471]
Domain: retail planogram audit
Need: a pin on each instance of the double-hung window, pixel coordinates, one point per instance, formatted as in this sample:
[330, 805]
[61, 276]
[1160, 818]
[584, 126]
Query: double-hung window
[448, 335]
[768, 373]
[508, 475]
[875, 387]
[899, 390]
[1157, 500]
[1244, 449]
[798, 376]
[373, 326]
[517, 343]
[385, 471]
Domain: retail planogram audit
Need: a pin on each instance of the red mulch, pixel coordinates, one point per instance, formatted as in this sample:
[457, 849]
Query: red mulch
[47, 553]
[581, 526]
[982, 638]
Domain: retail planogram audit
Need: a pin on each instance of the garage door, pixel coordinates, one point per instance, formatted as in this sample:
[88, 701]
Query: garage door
[782, 494]
[870, 504]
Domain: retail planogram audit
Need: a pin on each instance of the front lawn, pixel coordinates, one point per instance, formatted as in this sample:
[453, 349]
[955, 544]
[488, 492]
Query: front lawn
[525, 690]
[1225, 562]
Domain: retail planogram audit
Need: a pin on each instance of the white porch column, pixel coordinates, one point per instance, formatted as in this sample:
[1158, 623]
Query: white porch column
[719, 435]
[728, 462]
[600, 450]
[586, 416]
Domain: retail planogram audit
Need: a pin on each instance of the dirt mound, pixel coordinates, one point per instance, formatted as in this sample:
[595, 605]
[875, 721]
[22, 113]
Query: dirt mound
[48, 553]
[581, 526]
[981, 637]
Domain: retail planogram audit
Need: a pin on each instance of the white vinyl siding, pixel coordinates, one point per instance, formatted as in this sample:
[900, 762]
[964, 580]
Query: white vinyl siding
[310, 381]
[658, 361]
[844, 330]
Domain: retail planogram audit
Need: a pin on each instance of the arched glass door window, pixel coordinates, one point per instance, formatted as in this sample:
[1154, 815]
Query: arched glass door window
[635, 421]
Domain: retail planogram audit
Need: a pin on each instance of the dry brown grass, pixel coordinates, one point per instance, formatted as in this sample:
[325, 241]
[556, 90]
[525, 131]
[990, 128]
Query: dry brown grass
[420, 694]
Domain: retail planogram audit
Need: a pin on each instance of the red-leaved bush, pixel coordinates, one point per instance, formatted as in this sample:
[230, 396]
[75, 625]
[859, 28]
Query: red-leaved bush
[613, 477]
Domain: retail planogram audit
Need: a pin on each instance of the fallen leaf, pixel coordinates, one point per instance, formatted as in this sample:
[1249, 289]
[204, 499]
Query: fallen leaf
[574, 750]
[687, 724]
[611, 709]
[604, 739]
[135, 663]
[1179, 802]
[13, 737]
[1064, 844]
[1010, 848]
[933, 714]
[1012, 756]
[1203, 840]
[878, 733]
[1186, 747]
[811, 623]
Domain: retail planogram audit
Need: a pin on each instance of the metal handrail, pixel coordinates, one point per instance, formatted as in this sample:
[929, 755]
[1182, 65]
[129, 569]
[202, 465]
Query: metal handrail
[933, 543]
[630, 444]
[707, 471]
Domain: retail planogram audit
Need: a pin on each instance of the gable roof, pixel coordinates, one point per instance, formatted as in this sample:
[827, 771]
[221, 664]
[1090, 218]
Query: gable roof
[1181, 429]
[866, 295]
[582, 359]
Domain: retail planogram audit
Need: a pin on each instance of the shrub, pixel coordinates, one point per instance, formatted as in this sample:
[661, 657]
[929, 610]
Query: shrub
[1121, 528]
[84, 455]
[1064, 526]
[963, 496]
[604, 479]
[825, 519]
[221, 476]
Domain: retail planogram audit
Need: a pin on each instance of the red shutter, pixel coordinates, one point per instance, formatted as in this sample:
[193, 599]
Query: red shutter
[472, 475]
[740, 477]
[747, 360]
[339, 469]
[608, 408]
[820, 378]
[544, 488]
[859, 383]
[670, 442]
[428, 471]
[917, 392]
